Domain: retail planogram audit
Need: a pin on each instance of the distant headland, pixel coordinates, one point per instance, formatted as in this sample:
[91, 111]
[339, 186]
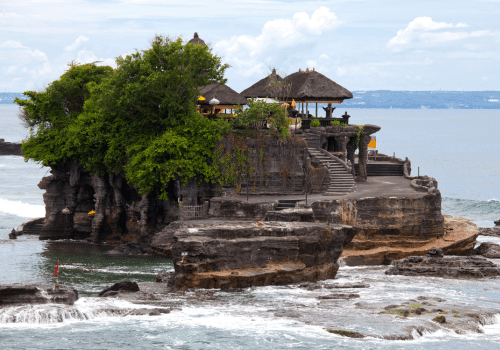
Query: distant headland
[393, 99]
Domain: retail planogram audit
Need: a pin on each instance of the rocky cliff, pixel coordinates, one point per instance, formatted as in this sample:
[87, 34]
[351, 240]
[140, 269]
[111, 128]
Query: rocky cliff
[123, 215]
[243, 254]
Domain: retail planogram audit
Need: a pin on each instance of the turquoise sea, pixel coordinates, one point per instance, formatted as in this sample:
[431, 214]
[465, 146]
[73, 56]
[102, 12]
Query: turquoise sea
[460, 148]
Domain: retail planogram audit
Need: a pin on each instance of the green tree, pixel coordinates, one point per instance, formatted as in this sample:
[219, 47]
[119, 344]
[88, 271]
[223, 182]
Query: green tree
[141, 119]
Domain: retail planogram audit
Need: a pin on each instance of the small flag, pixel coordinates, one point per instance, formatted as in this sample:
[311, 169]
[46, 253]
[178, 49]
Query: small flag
[57, 268]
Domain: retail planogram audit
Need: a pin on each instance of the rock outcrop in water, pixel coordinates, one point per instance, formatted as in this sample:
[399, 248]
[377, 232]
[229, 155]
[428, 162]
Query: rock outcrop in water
[12, 295]
[244, 254]
[9, 148]
[436, 265]
[488, 250]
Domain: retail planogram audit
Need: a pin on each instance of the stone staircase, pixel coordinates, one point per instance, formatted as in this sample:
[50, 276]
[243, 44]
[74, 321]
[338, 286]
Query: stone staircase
[341, 180]
[312, 139]
[287, 204]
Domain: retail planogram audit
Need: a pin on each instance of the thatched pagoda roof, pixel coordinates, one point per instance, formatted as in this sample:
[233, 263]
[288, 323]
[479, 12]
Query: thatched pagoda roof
[223, 93]
[311, 86]
[196, 40]
[262, 88]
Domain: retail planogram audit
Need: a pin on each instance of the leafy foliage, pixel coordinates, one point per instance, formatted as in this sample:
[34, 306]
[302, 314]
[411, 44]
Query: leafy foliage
[249, 119]
[315, 123]
[139, 119]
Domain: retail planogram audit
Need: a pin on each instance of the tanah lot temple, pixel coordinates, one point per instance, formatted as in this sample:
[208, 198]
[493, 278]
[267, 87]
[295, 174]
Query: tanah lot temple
[310, 202]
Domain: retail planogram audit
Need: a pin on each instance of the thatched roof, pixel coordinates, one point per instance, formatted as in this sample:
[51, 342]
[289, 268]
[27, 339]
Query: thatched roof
[311, 86]
[196, 40]
[262, 88]
[223, 93]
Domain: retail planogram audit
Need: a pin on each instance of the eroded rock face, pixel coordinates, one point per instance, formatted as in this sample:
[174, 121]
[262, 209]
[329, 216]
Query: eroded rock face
[446, 267]
[488, 250]
[243, 254]
[391, 228]
[12, 295]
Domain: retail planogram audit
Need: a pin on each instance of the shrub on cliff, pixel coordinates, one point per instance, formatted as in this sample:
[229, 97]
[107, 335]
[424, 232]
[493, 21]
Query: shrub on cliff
[139, 119]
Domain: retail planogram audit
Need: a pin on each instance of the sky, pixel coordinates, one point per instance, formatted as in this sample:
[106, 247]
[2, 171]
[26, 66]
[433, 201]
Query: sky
[360, 44]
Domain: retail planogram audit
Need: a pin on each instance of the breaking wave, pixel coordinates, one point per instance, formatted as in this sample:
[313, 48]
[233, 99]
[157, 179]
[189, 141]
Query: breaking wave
[21, 209]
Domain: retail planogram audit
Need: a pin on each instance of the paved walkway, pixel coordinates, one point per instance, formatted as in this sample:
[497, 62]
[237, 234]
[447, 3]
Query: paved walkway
[376, 186]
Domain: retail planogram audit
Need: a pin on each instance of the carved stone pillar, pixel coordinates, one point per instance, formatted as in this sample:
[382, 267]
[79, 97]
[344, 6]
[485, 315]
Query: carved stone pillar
[351, 149]
[363, 156]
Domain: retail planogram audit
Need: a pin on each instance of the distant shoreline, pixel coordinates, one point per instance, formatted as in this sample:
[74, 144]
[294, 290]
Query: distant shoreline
[388, 99]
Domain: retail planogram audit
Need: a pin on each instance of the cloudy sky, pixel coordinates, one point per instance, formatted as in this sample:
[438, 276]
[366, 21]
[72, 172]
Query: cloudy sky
[361, 44]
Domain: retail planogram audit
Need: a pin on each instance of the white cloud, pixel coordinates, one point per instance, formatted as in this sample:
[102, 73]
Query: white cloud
[11, 44]
[81, 39]
[85, 56]
[252, 54]
[423, 31]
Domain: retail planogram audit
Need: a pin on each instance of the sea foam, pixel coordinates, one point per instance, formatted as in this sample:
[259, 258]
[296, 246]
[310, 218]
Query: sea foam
[21, 209]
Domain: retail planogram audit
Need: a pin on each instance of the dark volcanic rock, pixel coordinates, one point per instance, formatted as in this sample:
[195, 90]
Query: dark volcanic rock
[11, 295]
[446, 267]
[9, 148]
[488, 250]
[127, 249]
[490, 231]
[435, 253]
[339, 296]
[347, 286]
[13, 234]
[124, 286]
[244, 254]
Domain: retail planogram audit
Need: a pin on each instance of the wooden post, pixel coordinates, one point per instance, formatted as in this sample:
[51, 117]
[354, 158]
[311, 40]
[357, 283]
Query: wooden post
[316, 109]
[331, 112]
[307, 110]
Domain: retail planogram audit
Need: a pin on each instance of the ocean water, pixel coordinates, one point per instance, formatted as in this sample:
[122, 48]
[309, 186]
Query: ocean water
[457, 147]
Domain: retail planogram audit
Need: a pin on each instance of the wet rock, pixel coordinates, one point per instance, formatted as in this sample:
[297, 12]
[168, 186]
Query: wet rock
[349, 334]
[147, 312]
[488, 250]
[446, 267]
[439, 319]
[310, 286]
[13, 234]
[435, 253]
[339, 296]
[424, 298]
[346, 286]
[165, 276]
[128, 249]
[389, 307]
[291, 314]
[497, 222]
[11, 295]
[124, 286]
[490, 231]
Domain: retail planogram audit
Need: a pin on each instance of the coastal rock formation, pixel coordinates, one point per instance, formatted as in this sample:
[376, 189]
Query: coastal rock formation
[490, 231]
[12, 295]
[392, 228]
[120, 287]
[435, 265]
[80, 205]
[488, 250]
[397, 227]
[9, 148]
[243, 254]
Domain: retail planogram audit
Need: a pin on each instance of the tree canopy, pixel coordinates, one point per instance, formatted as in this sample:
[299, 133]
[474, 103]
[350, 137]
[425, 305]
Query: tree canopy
[139, 119]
